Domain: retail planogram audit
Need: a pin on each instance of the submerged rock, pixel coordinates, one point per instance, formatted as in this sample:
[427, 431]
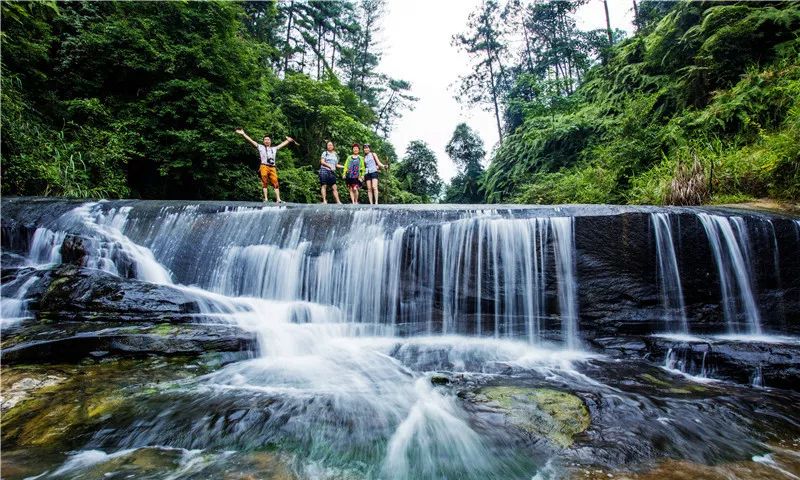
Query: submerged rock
[17, 390]
[83, 312]
[55, 406]
[554, 414]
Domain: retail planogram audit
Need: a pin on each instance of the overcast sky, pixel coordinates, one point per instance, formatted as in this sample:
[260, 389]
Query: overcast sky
[415, 37]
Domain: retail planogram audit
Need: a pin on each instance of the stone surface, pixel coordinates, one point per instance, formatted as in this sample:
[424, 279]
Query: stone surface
[83, 312]
[554, 414]
[76, 293]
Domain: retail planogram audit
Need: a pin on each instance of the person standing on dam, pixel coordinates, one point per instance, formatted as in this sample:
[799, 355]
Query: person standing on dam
[329, 162]
[373, 164]
[354, 173]
[267, 170]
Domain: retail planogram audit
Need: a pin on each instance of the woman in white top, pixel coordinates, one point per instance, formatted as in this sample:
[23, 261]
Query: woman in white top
[373, 164]
[329, 162]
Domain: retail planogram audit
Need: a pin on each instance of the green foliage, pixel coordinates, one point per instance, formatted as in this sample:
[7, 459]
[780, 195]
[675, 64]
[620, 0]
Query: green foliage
[717, 82]
[466, 150]
[592, 184]
[418, 173]
[142, 99]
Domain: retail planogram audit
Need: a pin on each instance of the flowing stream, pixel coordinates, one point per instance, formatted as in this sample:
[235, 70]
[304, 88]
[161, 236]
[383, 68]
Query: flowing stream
[356, 312]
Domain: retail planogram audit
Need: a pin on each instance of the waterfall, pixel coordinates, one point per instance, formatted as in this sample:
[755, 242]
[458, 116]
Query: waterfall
[563, 231]
[13, 304]
[484, 273]
[381, 331]
[478, 274]
[669, 277]
[730, 246]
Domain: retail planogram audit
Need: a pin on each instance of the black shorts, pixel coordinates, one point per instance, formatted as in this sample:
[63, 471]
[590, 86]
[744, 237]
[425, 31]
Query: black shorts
[352, 181]
[371, 176]
[326, 177]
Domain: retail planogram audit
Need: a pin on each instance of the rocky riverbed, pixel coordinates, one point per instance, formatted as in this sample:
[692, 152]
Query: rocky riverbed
[153, 341]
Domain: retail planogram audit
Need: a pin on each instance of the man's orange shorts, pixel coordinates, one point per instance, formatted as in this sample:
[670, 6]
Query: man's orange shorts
[269, 176]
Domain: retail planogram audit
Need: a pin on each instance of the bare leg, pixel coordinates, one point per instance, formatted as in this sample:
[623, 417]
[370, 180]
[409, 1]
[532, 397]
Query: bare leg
[277, 195]
[324, 191]
[336, 193]
[266, 194]
[369, 191]
[375, 190]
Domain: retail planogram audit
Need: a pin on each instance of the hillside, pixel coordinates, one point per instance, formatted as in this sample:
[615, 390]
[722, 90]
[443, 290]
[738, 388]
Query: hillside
[700, 106]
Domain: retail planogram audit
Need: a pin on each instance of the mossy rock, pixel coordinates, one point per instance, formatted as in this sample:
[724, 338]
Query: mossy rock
[65, 401]
[554, 414]
[654, 381]
[681, 388]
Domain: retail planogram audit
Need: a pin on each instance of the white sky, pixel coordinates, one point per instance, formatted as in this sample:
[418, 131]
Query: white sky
[415, 37]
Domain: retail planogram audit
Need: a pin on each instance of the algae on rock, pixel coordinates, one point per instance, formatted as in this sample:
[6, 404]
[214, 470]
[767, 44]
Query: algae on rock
[553, 414]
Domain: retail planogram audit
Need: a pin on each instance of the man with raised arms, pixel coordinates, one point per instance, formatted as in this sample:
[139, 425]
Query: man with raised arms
[267, 170]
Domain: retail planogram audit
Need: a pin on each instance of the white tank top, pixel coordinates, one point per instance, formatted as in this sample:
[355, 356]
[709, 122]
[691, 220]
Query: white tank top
[330, 159]
[370, 163]
[267, 155]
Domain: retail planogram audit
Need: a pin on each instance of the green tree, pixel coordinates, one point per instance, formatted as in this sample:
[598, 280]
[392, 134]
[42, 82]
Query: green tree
[701, 85]
[418, 172]
[466, 150]
[156, 89]
[485, 44]
[395, 101]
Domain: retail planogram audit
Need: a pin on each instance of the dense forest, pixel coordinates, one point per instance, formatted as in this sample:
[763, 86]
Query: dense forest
[141, 99]
[701, 104]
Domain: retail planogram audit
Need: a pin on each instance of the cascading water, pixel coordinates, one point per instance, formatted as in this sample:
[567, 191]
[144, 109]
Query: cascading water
[328, 299]
[13, 304]
[669, 276]
[730, 246]
[483, 275]
[382, 334]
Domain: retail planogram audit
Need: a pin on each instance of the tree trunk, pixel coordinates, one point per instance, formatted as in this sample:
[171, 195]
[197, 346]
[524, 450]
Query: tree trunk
[383, 110]
[288, 37]
[494, 99]
[333, 50]
[319, 52]
[367, 41]
[608, 24]
[528, 48]
[635, 15]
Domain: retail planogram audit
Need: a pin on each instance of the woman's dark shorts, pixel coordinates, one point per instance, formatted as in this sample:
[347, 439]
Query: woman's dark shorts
[352, 181]
[371, 176]
[326, 177]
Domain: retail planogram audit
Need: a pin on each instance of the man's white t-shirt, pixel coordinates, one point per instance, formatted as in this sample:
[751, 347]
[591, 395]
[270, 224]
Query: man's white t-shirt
[267, 155]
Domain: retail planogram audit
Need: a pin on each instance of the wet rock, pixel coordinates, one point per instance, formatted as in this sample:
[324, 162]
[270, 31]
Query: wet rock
[554, 414]
[186, 339]
[74, 250]
[775, 465]
[16, 391]
[70, 292]
[82, 312]
[777, 364]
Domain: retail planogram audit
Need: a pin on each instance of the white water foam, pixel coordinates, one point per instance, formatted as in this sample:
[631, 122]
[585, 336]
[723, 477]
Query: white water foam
[731, 248]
